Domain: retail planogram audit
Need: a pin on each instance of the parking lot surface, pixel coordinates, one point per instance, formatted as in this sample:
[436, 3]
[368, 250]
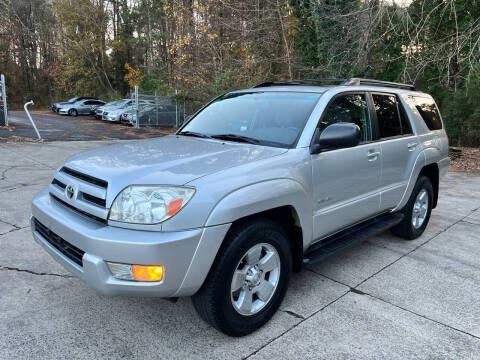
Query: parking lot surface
[54, 127]
[383, 299]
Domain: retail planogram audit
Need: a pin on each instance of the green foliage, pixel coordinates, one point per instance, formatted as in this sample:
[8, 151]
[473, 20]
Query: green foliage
[461, 113]
[54, 49]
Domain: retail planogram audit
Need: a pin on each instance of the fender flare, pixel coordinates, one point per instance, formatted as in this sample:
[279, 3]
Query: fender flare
[420, 163]
[262, 196]
[249, 200]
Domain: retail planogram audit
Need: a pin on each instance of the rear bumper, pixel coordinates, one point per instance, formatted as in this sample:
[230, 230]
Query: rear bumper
[186, 255]
[443, 166]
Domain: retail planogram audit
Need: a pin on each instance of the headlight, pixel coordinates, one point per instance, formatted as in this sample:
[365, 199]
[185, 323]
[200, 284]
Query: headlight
[149, 204]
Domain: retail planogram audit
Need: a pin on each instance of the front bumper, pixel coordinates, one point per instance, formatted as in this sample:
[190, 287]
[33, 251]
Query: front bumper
[62, 111]
[112, 118]
[186, 255]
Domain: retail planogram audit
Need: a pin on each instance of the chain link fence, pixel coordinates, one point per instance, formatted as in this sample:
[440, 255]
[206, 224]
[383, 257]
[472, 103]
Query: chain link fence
[155, 111]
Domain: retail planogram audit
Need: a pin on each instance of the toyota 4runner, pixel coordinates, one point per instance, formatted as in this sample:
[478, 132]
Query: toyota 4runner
[256, 184]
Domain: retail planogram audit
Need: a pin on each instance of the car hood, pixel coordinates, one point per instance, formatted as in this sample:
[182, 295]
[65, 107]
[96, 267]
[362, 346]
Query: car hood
[67, 105]
[62, 103]
[171, 159]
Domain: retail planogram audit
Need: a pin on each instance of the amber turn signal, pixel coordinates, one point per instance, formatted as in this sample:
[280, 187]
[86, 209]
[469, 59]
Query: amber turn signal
[148, 272]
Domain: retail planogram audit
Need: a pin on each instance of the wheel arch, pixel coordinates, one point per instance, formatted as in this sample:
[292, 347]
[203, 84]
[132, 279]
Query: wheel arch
[432, 172]
[282, 200]
[287, 217]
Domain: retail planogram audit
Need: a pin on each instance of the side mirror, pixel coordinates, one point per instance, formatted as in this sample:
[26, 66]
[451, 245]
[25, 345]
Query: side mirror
[336, 136]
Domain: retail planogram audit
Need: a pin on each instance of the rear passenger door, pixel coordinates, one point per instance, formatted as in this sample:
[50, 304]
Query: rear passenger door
[399, 147]
[346, 181]
[83, 107]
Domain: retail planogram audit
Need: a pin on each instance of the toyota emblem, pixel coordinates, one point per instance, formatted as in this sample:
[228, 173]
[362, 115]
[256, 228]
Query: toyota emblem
[69, 192]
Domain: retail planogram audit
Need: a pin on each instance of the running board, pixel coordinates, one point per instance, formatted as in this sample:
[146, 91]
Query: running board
[351, 236]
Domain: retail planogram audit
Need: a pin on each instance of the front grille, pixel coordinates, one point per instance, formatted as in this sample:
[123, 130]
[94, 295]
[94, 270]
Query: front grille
[84, 213]
[59, 183]
[89, 193]
[67, 249]
[95, 200]
[84, 177]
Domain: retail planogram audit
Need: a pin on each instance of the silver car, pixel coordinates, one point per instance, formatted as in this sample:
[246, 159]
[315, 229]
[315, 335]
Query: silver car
[114, 113]
[82, 107]
[111, 106]
[258, 183]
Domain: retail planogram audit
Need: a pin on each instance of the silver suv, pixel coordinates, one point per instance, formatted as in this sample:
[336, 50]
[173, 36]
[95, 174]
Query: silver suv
[258, 183]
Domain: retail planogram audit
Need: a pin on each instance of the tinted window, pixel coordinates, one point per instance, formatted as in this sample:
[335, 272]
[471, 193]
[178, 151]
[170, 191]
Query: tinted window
[429, 112]
[387, 115]
[350, 108]
[273, 118]
[406, 128]
[89, 102]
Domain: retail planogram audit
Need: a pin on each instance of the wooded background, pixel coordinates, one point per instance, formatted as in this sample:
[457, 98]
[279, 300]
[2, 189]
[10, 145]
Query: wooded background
[53, 49]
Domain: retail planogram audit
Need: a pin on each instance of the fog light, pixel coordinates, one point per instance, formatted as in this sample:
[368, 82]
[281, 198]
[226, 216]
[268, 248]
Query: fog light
[147, 273]
[136, 272]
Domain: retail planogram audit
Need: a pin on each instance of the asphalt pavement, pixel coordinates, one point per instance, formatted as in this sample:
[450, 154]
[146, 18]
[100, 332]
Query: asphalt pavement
[54, 127]
[383, 299]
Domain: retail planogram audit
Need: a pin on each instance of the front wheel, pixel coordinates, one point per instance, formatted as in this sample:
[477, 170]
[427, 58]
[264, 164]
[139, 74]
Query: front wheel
[248, 280]
[73, 112]
[417, 211]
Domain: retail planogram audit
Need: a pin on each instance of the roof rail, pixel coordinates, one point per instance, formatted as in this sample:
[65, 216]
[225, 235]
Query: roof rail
[359, 81]
[347, 82]
[300, 82]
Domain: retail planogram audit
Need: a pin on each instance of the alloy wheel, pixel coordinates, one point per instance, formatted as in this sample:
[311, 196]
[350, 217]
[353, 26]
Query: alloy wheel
[255, 279]
[420, 209]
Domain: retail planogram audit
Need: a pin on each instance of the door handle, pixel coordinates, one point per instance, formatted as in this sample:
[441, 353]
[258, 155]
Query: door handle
[412, 146]
[372, 155]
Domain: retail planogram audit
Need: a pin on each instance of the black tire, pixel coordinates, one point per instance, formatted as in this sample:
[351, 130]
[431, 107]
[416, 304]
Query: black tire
[405, 229]
[213, 301]
[73, 112]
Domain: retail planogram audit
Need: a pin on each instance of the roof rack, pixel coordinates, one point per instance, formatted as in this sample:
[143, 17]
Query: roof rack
[359, 81]
[301, 82]
[347, 82]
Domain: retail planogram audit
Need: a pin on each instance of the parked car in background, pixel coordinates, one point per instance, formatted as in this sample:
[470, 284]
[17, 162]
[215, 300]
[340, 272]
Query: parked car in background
[153, 116]
[82, 107]
[55, 106]
[111, 106]
[114, 114]
[130, 117]
[161, 116]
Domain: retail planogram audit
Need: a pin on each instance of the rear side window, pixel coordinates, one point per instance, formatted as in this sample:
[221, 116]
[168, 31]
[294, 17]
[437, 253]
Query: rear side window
[350, 108]
[429, 112]
[387, 115]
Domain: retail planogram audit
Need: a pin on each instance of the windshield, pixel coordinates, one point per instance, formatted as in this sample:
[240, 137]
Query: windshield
[146, 107]
[117, 103]
[270, 118]
[73, 99]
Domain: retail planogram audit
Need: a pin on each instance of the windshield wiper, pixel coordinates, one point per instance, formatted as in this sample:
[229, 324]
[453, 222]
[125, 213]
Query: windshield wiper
[239, 138]
[195, 134]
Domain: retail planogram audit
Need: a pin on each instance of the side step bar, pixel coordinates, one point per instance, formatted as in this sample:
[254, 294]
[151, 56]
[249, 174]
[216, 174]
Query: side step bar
[346, 238]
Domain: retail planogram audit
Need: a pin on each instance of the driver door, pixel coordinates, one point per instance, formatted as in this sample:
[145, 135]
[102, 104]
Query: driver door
[346, 181]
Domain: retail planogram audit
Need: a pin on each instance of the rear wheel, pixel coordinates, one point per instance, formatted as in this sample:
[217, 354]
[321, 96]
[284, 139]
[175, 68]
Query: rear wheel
[73, 112]
[248, 280]
[417, 211]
